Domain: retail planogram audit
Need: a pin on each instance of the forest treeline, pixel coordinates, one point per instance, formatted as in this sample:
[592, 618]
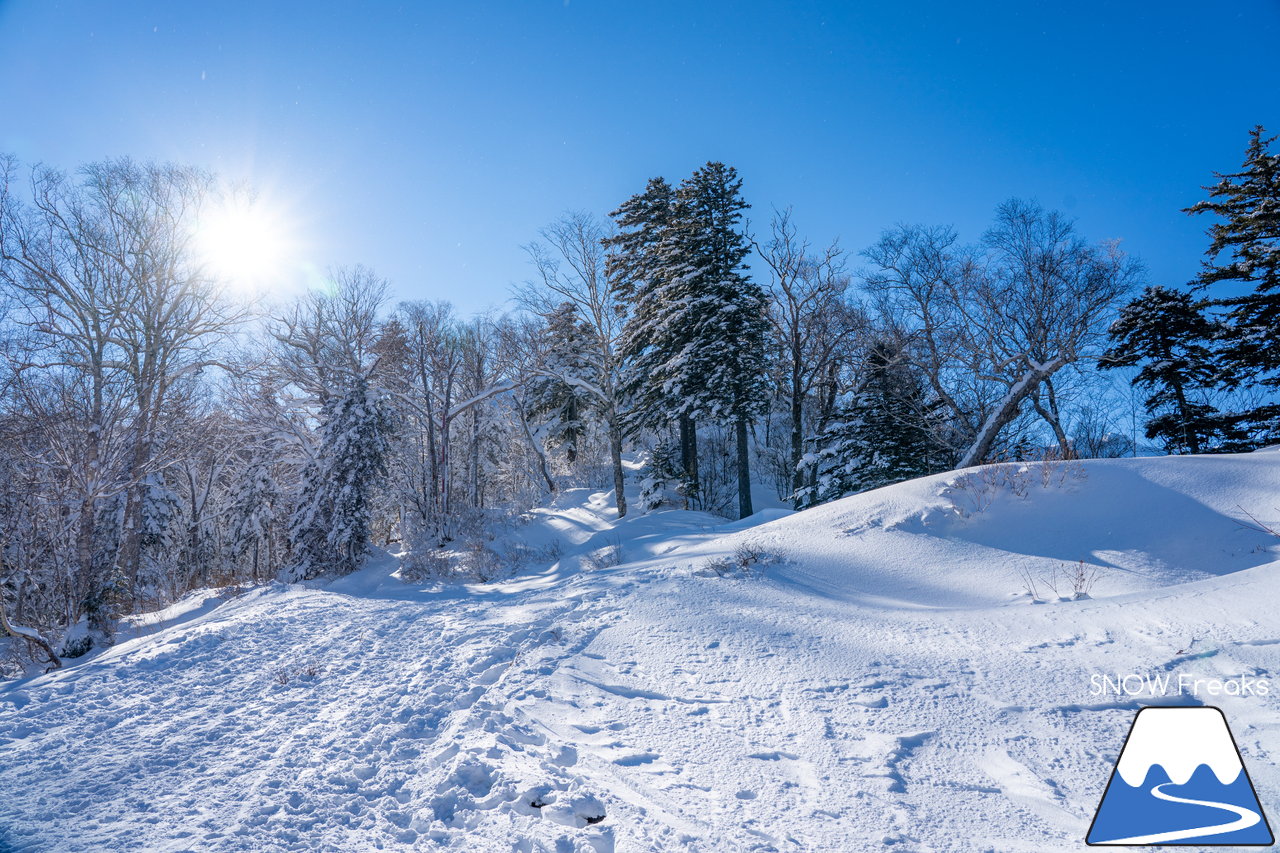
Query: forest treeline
[159, 434]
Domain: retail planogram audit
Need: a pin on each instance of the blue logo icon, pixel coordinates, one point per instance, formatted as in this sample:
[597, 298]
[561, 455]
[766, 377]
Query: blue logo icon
[1180, 780]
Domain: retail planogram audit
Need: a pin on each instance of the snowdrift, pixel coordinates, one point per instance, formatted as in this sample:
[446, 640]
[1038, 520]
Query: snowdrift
[863, 675]
[937, 542]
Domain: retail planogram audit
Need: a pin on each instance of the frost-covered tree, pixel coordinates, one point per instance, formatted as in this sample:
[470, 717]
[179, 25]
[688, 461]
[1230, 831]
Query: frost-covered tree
[329, 528]
[812, 325]
[642, 270]
[254, 503]
[118, 318]
[574, 265]
[994, 322]
[1167, 334]
[727, 354]
[558, 394]
[1244, 251]
[695, 337]
[880, 437]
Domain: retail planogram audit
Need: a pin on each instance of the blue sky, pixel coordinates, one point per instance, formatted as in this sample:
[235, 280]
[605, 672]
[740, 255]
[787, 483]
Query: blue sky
[431, 140]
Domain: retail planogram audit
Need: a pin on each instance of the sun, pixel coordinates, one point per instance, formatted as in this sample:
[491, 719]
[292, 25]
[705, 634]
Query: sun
[244, 244]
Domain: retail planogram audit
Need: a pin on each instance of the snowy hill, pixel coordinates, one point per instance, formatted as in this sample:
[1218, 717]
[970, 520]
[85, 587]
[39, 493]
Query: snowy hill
[869, 673]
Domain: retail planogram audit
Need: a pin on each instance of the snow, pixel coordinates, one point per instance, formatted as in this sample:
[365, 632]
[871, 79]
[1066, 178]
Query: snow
[875, 679]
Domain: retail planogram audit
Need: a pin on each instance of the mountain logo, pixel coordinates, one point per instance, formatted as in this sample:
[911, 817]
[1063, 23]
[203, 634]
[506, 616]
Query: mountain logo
[1180, 780]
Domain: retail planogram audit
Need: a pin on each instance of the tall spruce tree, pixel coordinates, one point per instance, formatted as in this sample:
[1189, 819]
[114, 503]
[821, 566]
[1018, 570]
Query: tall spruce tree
[1167, 333]
[721, 371]
[643, 270]
[1244, 251]
[695, 337]
[880, 437]
[329, 529]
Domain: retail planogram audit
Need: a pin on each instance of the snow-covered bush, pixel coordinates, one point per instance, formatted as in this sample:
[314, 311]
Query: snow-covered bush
[481, 563]
[297, 671]
[662, 482]
[608, 556]
[76, 647]
[521, 555]
[425, 564]
[1054, 583]
[974, 490]
[745, 561]
[1082, 577]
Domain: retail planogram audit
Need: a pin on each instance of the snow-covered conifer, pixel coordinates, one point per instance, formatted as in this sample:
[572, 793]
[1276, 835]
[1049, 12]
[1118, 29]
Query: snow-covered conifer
[1167, 333]
[558, 393]
[329, 528]
[1245, 250]
[882, 436]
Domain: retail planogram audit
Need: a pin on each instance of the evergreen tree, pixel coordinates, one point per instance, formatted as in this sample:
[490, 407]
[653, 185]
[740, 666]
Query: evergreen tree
[723, 369]
[880, 437]
[695, 338]
[158, 515]
[558, 394]
[1244, 250]
[1167, 333]
[253, 503]
[329, 528]
[643, 268]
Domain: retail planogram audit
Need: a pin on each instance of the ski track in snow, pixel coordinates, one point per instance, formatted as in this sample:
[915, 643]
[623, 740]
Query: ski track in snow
[637, 708]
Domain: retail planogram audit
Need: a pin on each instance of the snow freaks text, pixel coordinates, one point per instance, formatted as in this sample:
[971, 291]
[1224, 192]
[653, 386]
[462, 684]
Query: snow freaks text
[1180, 684]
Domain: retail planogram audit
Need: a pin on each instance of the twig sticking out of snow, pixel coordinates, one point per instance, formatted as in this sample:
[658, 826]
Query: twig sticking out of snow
[1081, 577]
[1258, 526]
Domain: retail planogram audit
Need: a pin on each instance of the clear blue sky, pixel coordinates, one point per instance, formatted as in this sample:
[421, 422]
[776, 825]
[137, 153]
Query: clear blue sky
[431, 140]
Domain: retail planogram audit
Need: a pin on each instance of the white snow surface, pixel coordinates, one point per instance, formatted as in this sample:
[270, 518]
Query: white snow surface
[877, 682]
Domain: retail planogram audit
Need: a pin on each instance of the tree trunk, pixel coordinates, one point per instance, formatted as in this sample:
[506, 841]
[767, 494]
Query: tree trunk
[1053, 418]
[744, 470]
[1008, 410]
[615, 456]
[536, 448]
[31, 636]
[689, 461]
[1189, 435]
[797, 430]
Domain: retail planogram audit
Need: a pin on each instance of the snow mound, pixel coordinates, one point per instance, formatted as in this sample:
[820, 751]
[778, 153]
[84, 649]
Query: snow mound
[936, 542]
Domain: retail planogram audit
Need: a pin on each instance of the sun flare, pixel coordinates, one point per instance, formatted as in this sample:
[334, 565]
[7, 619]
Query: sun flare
[244, 244]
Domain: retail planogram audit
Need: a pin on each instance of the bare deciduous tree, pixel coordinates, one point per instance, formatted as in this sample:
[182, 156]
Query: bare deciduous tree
[811, 322]
[991, 325]
[571, 267]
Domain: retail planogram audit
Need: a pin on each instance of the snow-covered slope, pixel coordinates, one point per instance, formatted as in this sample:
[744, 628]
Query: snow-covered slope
[875, 680]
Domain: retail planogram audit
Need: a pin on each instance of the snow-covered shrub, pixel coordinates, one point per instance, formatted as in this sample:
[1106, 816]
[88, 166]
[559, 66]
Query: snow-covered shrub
[520, 555]
[77, 647]
[662, 482]
[608, 556]
[1030, 587]
[481, 563]
[425, 564]
[1082, 577]
[303, 670]
[743, 562]
[974, 490]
